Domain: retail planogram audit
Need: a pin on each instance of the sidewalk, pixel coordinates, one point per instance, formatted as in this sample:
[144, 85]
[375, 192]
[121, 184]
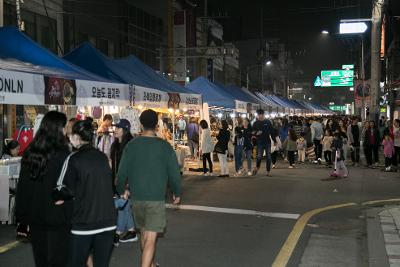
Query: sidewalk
[384, 236]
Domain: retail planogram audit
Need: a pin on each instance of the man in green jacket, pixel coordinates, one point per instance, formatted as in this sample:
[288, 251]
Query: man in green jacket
[148, 165]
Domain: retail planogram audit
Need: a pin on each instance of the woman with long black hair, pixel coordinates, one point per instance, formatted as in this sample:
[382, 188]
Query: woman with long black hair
[40, 168]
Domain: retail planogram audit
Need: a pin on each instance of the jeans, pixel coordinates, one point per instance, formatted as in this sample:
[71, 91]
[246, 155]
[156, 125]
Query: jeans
[260, 151]
[248, 154]
[125, 219]
[328, 157]
[50, 247]
[181, 134]
[302, 155]
[100, 244]
[291, 157]
[238, 157]
[207, 157]
[369, 151]
[318, 149]
[355, 154]
[223, 161]
[193, 148]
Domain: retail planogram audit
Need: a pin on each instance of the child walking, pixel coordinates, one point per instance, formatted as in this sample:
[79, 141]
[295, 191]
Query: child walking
[326, 147]
[301, 148]
[388, 151]
[340, 167]
[290, 146]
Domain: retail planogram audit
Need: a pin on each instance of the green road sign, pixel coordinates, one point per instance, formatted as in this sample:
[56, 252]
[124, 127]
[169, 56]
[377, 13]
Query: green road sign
[334, 78]
[348, 67]
[337, 108]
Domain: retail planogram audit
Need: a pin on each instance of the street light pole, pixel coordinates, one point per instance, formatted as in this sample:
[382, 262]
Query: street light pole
[363, 115]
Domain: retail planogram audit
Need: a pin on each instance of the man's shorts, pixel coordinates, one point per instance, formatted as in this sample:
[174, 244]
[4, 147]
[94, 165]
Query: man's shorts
[150, 215]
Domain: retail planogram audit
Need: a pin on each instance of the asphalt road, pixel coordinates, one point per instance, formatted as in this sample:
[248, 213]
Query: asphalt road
[208, 238]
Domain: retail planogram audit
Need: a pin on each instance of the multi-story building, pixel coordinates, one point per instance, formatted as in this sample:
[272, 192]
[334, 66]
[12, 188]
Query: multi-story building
[40, 20]
[265, 66]
[116, 27]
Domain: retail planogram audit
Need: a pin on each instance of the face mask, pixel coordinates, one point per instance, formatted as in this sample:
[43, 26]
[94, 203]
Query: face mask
[75, 141]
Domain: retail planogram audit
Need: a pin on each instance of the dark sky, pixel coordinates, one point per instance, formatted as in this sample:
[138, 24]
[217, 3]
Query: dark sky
[298, 24]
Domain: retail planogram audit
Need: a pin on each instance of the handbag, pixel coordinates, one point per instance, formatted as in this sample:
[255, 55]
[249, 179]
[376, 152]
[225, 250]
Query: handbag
[62, 192]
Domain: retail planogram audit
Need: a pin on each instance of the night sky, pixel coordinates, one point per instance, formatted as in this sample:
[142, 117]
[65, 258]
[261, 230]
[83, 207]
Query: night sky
[297, 24]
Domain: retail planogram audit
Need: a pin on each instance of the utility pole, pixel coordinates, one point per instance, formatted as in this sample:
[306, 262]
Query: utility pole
[377, 10]
[262, 47]
[1, 13]
[170, 22]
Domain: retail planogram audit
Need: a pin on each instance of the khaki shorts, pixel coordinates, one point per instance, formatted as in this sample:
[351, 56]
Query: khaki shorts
[150, 215]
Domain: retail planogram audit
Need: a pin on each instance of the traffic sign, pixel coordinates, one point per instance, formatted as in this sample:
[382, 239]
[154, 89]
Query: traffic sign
[333, 78]
[317, 82]
[348, 67]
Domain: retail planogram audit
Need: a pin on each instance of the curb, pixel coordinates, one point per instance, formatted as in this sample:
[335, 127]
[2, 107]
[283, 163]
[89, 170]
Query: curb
[376, 243]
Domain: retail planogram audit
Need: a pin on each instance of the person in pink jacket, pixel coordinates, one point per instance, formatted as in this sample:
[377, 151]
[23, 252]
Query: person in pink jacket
[388, 151]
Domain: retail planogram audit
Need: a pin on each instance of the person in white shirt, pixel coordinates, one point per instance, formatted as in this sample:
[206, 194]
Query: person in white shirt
[207, 147]
[104, 139]
[181, 127]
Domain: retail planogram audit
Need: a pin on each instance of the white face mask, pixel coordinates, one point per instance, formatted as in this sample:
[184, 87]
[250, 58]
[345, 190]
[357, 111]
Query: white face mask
[75, 140]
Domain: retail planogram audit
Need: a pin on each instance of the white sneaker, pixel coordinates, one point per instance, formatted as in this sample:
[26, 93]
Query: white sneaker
[291, 167]
[249, 173]
[273, 166]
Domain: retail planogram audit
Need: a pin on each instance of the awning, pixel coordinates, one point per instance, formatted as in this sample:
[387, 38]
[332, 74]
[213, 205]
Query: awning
[212, 94]
[32, 75]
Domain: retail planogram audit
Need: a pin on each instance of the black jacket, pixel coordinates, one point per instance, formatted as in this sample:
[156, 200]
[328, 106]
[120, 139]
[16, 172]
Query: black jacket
[267, 132]
[34, 204]
[368, 135]
[89, 177]
[223, 138]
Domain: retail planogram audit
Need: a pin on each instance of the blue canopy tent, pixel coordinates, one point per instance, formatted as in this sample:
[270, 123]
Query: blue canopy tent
[20, 53]
[276, 106]
[235, 93]
[128, 70]
[135, 65]
[89, 58]
[212, 94]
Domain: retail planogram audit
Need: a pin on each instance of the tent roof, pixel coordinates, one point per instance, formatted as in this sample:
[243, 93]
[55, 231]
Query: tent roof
[126, 70]
[236, 93]
[20, 53]
[212, 94]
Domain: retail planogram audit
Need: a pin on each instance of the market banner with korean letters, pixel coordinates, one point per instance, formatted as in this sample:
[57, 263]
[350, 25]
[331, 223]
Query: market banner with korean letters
[241, 106]
[92, 93]
[149, 98]
[21, 88]
[190, 102]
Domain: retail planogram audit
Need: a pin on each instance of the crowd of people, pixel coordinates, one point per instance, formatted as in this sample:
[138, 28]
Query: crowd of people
[332, 140]
[82, 190]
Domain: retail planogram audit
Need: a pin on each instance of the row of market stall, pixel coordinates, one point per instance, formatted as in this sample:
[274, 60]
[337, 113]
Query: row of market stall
[87, 79]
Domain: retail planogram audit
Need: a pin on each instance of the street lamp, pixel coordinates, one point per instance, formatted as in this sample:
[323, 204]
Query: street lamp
[325, 32]
[268, 63]
[357, 26]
